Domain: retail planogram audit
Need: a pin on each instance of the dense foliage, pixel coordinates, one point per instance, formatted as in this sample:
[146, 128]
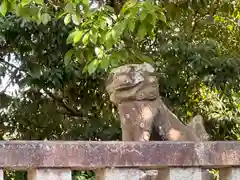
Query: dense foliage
[59, 52]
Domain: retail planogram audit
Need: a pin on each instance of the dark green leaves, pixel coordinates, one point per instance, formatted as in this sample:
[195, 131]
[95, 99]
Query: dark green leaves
[92, 66]
[68, 56]
[142, 30]
[96, 27]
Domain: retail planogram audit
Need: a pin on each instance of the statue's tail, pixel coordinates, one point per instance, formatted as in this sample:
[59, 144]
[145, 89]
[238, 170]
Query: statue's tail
[197, 126]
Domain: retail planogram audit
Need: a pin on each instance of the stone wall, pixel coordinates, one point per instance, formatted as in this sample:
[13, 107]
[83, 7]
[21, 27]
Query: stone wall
[54, 160]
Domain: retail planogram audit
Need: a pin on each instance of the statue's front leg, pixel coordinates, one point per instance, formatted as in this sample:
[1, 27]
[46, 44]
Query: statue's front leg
[126, 132]
[136, 120]
[136, 123]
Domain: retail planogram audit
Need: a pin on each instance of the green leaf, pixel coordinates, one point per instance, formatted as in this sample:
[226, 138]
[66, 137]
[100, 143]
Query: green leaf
[142, 31]
[25, 2]
[134, 12]
[131, 25]
[127, 5]
[85, 39]
[41, 2]
[150, 31]
[85, 6]
[189, 113]
[104, 64]
[118, 30]
[152, 18]
[4, 7]
[69, 8]
[76, 19]
[143, 15]
[94, 36]
[109, 8]
[103, 24]
[45, 18]
[92, 66]
[162, 17]
[116, 34]
[28, 12]
[77, 36]
[71, 37]
[60, 14]
[79, 55]
[99, 51]
[85, 2]
[90, 54]
[11, 5]
[39, 20]
[68, 56]
[144, 58]
[230, 27]
[109, 40]
[67, 19]
[226, 7]
[115, 58]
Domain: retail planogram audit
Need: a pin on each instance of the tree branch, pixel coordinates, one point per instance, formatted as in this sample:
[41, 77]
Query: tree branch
[13, 66]
[72, 111]
[8, 84]
[197, 19]
[67, 113]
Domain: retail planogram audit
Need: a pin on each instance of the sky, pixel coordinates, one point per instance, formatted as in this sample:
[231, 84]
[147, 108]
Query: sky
[12, 89]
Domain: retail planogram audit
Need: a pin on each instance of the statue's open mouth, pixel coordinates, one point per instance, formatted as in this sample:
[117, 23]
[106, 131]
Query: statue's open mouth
[126, 86]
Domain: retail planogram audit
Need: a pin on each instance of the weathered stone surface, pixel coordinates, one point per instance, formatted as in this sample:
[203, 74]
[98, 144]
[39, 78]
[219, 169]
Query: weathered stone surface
[92, 155]
[229, 174]
[1, 174]
[197, 125]
[127, 83]
[123, 174]
[50, 174]
[134, 89]
[181, 174]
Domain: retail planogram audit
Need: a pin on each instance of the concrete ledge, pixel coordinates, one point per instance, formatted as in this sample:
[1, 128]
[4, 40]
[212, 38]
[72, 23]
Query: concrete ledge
[100, 154]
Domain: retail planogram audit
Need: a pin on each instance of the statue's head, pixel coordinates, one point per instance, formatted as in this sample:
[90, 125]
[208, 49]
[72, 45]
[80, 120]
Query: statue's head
[132, 82]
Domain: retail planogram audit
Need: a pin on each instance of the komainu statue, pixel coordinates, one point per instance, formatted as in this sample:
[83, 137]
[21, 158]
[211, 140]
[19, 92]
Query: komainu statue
[134, 89]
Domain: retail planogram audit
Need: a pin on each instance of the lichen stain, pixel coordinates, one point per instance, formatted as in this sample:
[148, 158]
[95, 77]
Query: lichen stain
[147, 113]
[174, 134]
[229, 157]
[146, 136]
